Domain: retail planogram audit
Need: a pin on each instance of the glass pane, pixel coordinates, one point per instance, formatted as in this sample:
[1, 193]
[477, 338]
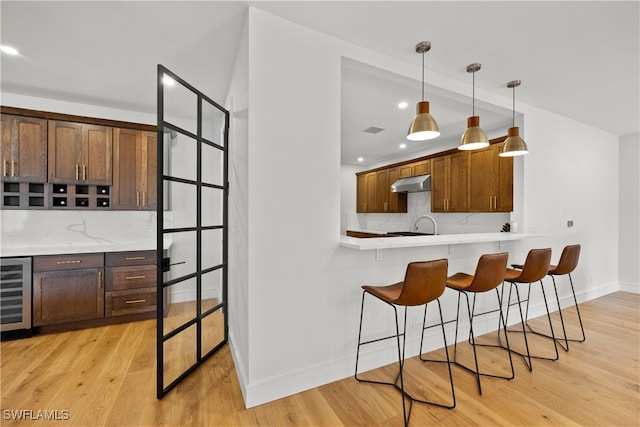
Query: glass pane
[211, 248]
[183, 254]
[179, 354]
[212, 165]
[212, 290]
[180, 305]
[180, 107]
[212, 331]
[212, 204]
[212, 123]
[183, 205]
[181, 157]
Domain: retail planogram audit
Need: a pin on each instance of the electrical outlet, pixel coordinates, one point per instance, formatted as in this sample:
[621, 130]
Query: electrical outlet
[451, 251]
[378, 255]
[501, 244]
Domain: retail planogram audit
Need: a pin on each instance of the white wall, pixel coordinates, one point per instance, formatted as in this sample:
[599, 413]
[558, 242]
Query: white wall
[238, 299]
[629, 211]
[303, 290]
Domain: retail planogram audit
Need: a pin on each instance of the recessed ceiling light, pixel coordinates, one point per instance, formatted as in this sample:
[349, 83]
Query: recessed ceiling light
[402, 105]
[168, 80]
[9, 50]
[360, 159]
[403, 146]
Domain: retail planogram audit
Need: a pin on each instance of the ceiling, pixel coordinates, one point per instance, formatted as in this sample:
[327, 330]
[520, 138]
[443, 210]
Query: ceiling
[579, 59]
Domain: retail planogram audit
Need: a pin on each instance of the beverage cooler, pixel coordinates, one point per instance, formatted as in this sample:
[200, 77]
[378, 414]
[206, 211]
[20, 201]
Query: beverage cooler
[15, 298]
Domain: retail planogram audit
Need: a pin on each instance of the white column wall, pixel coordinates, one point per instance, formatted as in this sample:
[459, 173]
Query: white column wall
[303, 290]
[629, 175]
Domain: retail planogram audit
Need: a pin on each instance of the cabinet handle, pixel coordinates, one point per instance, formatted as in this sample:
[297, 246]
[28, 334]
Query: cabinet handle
[84, 172]
[75, 261]
[5, 168]
[14, 168]
[144, 198]
[135, 277]
[77, 172]
[132, 258]
[135, 301]
[385, 206]
[137, 198]
[99, 279]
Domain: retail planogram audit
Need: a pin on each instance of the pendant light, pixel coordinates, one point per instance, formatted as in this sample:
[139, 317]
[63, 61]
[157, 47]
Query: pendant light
[423, 126]
[474, 137]
[513, 145]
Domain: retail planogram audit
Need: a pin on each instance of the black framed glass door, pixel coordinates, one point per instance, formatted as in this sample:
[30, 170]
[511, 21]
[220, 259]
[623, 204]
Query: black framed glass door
[192, 228]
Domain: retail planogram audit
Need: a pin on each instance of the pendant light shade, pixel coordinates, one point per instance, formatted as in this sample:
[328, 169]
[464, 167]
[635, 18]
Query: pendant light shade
[513, 145]
[423, 126]
[474, 137]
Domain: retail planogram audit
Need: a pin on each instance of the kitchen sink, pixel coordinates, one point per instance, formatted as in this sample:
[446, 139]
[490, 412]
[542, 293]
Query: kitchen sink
[407, 233]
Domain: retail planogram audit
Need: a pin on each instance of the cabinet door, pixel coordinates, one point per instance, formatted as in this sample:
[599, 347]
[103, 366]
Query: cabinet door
[96, 154]
[481, 180]
[371, 200]
[439, 184]
[422, 167]
[382, 191]
[65, 157]
[68, 296]
[490, 181]
[150, 169]
[504, 185]
[126, 178]
[79, 153]
[134, 169]
[458, 182]
[361, 193]
[405, 171]
[23, 151]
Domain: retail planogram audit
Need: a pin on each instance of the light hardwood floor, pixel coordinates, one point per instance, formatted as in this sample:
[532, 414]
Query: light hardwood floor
[106, 377]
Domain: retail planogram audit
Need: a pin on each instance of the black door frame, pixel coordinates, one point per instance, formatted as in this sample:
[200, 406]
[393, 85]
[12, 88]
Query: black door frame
[163, 263]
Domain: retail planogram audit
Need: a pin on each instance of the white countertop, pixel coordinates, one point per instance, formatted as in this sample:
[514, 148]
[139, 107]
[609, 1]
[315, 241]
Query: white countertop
[414, 241]
[32, 247]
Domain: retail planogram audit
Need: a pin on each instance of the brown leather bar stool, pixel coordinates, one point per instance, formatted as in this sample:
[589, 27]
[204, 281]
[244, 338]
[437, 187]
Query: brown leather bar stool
[534, 269]
[423, 283]
[566, 264]
[489, 274]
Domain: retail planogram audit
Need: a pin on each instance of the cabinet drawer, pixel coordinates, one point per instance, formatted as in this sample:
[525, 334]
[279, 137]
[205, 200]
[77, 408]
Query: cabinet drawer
[121, 278]
[122, 259]
[130, 302]
[67, 262]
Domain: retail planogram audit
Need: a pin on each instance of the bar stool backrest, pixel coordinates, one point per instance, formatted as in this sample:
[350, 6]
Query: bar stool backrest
[536, 266]
[424, 281]
[490, 272]
[568, 260]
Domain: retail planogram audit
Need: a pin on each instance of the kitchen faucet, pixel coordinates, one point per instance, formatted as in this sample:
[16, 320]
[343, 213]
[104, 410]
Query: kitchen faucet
[421, 217]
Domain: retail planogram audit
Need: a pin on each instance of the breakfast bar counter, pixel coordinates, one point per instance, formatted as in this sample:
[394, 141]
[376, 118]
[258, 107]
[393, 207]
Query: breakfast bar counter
[391, 242]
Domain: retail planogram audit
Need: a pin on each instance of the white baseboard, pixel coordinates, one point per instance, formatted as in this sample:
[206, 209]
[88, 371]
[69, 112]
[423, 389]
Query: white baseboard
[630, 287]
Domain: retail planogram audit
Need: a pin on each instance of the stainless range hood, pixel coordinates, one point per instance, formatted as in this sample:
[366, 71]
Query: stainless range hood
[412, 185]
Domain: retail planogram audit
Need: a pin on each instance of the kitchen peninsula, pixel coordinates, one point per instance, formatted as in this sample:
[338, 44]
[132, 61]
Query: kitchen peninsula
[385, 242]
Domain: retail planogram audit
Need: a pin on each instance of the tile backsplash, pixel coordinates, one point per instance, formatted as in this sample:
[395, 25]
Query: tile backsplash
[420, 204]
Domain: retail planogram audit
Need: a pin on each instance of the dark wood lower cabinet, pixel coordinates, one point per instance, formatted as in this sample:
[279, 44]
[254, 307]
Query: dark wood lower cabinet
[68, 296]
[87, 290]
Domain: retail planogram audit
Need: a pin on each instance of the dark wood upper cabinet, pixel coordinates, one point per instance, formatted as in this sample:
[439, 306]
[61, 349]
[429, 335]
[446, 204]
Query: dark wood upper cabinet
[490, 180]
[134, 169]
[449, 180]
[23, 148]
[80, 153]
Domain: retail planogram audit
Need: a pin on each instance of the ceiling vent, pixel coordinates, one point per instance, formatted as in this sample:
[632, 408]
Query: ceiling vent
[373, 130]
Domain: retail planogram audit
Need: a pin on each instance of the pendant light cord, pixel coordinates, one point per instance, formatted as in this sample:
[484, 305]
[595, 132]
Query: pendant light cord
[473, 103]
[423, 76]
[514, 108]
